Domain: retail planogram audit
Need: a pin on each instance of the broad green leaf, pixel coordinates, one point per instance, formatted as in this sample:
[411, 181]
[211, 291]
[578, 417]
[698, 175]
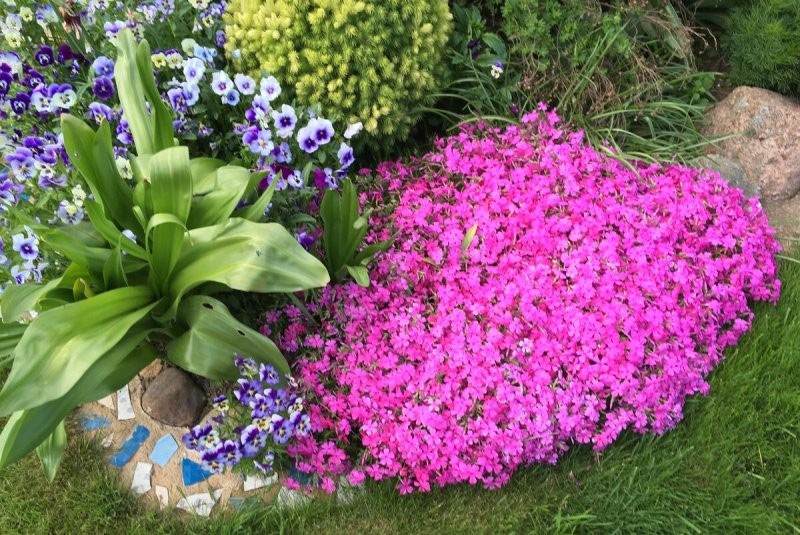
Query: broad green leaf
[131, 94]
[111, 233]
[109, 188]
[468, 237]
[204, 176]
[10, 335]
[342, 231]
[359, 274]
[208, 346]
[61, 344]
[51, 450]
[216, 207]
[171, 184]
[27, 429]
[16, 300]
[163, 137]
[71, 246]
[255, 212]
[246, 256]
[79, 144]
[113, 272]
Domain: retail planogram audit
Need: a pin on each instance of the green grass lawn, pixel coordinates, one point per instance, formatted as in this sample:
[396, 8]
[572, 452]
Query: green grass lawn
[732, 466]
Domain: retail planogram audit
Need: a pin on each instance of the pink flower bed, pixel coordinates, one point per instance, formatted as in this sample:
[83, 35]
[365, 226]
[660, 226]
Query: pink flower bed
[590, 301]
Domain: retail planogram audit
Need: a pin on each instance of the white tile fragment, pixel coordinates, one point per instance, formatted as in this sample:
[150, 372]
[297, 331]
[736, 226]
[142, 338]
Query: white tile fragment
[346, 493]
[108, 441]
[107, 401]
[258, 482]
[124, 407]
[199, 504]
[141, 478]
[163, 496]
[291, 498]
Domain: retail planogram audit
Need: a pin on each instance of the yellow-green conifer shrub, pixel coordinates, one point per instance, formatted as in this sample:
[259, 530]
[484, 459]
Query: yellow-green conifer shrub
[374, 61]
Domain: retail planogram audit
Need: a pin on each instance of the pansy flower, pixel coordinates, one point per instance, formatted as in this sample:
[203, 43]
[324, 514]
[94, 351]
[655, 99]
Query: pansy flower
[245, 84]
[103, 66]
[231, 98]
[193, 70]
[270, 88]
[27, 245]
[285, 121]
[20, 103]
[221, 83]
[6, 80]
[247, 390]
[345, 155]
[259, 141]
[103, 88]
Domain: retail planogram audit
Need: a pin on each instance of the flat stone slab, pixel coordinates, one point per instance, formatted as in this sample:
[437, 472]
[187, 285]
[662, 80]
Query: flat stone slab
[141, 478]
[129, 448]
[164, 449]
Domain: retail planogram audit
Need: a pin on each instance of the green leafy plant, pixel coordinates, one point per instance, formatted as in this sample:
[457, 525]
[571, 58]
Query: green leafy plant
[141, 273]
[482, 84]
[373, 61]
[762, 43]
[343, 231]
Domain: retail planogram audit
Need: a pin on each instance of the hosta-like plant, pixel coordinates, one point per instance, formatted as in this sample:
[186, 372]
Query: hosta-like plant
[141, 272]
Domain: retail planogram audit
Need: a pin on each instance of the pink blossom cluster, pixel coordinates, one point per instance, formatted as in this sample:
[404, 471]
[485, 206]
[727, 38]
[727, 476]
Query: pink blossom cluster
[592, 299]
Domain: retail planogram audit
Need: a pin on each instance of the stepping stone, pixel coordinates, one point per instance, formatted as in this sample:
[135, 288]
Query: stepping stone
[199, 504]
[141, 478]
[93, 422]
[163, 496]
[258, 482]
[124, 407]
[291, 498]
[193, 473]
[164, 449]
[130, 447]
[107, 402]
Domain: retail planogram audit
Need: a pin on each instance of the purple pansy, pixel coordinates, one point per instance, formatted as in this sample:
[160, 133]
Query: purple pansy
[103, 88]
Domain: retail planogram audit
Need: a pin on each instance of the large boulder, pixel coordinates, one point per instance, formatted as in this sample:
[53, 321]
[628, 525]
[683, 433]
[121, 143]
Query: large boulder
[767, 147]
[173, 398]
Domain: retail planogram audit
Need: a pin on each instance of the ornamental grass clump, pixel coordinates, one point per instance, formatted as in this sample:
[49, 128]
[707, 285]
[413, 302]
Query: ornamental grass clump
[363, 60]
[538, 295]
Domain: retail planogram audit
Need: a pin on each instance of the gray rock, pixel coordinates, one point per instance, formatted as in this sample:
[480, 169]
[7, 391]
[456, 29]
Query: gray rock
[763, 130]
[173, 398]
[733, 173]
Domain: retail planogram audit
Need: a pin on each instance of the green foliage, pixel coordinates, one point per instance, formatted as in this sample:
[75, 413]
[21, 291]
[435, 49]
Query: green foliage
[133, 270]
[623, 71]
[762, 43]
[481, 84]
[374, 61]
[344, 230]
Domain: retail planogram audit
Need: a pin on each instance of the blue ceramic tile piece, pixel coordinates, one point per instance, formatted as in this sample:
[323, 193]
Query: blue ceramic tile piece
[164, 449]
[93, 422]
[307, 480]
[193, 472]
[130, 446]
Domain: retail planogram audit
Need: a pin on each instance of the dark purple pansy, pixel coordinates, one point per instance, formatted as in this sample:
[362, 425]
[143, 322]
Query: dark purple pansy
[34, 79]
[103, 88]
[65, 54]
[5, 83]
[20, 103]
[44, 56]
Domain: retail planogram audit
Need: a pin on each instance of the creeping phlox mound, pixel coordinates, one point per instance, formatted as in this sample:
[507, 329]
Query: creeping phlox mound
[591, 300]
